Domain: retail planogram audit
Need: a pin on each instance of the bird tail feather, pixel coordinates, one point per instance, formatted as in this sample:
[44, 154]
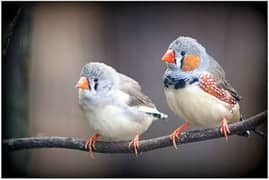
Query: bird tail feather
[158, 115]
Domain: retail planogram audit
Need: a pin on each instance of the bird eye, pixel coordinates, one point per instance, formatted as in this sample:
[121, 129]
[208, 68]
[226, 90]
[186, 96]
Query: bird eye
[182, 53]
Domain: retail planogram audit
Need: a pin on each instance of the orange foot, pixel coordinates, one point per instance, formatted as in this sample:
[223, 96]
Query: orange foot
[224, 129]
[90, 144]
[135, 144]
[177, 132]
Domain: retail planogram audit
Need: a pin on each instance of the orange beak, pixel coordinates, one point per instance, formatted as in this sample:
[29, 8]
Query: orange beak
[169, 56]
[82, 83]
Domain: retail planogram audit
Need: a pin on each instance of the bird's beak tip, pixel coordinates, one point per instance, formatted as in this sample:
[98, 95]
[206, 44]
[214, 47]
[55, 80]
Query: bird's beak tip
[169, 56]
[82, 83]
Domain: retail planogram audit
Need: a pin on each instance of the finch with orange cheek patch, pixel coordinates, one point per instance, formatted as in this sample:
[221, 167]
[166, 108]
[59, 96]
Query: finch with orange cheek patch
[196, 89]
[114, 105]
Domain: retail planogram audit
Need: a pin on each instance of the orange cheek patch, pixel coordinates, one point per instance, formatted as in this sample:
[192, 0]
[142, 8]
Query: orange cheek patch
[190, 62]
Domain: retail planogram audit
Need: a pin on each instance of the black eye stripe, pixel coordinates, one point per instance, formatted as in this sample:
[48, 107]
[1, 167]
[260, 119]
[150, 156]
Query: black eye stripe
[95, 83]
[95, 86]
[181, 62]
[182, 53]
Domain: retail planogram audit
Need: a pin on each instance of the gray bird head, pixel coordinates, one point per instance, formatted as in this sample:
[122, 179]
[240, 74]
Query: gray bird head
[97, 80]
[185, 55]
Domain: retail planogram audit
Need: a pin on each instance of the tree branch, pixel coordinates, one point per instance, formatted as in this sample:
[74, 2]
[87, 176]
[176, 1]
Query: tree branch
[122, 146]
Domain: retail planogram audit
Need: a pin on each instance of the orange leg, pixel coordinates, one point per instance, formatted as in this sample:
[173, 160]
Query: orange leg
[135, 143]
[177, 132]
[90, 144]
[224, 129]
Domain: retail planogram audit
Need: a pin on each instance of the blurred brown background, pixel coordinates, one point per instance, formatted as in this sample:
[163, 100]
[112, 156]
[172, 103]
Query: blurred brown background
[50, 43]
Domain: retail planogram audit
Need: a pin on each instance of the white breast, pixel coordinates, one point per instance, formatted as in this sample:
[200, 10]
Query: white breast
[200, 108]
[113, 118]
[117, 123]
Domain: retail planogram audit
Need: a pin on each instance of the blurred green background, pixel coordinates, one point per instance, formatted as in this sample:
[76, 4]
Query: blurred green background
[45, 45]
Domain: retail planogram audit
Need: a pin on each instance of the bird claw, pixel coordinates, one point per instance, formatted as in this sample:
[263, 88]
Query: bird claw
[90, 144]
[173, 137]
[177, 132]
[135, 144]
[224, 129]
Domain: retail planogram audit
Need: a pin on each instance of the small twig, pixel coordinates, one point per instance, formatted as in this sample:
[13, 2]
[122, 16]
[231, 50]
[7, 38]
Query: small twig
[122, 146]
[259, 132]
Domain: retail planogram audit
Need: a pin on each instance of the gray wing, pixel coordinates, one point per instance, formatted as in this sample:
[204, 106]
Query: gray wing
[128, 82]
[133, 89]
[219, 75]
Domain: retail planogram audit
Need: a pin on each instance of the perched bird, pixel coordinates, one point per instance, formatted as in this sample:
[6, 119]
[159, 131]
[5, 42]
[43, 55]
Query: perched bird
[196, 89]
[114, 105]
